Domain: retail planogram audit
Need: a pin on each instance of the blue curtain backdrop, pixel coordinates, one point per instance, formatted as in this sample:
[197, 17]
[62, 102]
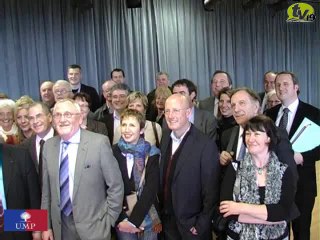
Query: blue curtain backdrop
[40, 38]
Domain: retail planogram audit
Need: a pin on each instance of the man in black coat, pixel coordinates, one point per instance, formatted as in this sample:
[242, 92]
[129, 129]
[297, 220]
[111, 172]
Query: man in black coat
[20, 184]
[189, 175]
[287, 89]
[74, 78]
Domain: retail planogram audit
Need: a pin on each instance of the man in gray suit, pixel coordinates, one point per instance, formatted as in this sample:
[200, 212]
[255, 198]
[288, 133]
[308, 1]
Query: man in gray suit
[220, 79]
[202, 120]
[82, 184]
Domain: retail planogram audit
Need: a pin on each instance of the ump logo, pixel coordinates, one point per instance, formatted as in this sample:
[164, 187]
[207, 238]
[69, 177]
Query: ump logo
[301, 12]
[25, 224]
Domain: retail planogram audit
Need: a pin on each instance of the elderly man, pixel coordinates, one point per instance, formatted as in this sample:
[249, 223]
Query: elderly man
[62, 90]
[220, 80]
[82, 184]
[106, 108]
[268, 82]
[189, 175]
[46, 93]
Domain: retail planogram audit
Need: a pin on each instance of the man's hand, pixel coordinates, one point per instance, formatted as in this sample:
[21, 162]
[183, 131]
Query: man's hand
[47, 235]
[225, 158]
[36, 236]
[298, 158]
[193, 230]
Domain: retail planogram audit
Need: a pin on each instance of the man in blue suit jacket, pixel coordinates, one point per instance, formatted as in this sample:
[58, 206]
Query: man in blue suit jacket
[189, 175]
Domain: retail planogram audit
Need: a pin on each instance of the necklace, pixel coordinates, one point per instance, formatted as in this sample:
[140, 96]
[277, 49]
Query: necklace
[260, 169]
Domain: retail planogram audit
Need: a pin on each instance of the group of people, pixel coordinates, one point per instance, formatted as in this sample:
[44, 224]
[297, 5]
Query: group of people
[159, 166]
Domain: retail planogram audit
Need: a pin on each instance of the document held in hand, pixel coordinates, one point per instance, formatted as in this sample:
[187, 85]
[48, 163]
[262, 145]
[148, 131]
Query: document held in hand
[306, 137]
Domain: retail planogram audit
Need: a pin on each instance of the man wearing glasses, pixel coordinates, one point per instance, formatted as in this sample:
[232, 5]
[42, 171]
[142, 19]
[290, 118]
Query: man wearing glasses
[82, 184]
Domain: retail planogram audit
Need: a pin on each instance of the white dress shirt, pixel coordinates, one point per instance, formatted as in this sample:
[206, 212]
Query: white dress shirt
[291, 114]
[45, 138]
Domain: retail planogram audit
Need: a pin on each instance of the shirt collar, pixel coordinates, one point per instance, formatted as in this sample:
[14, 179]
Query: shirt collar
[175, 139]
[74, 139]
[292, 107]
[47, 136]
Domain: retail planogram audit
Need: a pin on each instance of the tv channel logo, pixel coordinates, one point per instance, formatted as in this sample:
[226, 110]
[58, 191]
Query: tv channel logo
[25, 220]
[301, 12]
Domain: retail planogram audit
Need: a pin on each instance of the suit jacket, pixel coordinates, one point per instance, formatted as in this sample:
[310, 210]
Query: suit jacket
[207, 104]
[21, 184]
[195, 182]
[97, 127]
[307, 172]
[98, 187]
[150, 188]
[204, 121]
[92, 92]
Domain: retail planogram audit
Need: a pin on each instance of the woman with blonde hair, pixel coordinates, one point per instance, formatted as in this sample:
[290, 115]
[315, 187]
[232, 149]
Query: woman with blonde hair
[22, 118]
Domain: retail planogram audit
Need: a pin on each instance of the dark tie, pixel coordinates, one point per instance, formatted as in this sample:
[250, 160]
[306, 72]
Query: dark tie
[74, 91]
[1, 215]
[41, 161]
[242, 152]
[65, 201]
[284, 119]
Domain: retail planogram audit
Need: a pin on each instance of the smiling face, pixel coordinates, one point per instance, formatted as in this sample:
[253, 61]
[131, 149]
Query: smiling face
[257, 142]
[40, 122]
[137, 105]
[130, 129]
[67, 119]
[46, 93]
[22, 119]
[74, 76]
[243, 107]
[269, 80]
[6, 118]
[286, 90]
[119, 100]
[162, 80]
[177, 112]
[225, 105]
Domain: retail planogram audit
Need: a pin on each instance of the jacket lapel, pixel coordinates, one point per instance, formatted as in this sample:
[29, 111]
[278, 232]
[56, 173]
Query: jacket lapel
[298, 118]
[8, 167]
[80, 162]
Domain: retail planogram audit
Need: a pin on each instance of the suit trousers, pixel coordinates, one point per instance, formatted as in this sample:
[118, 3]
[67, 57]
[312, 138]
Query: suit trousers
[173, 231]
[68, 228]
[146, 235]
[301, 225]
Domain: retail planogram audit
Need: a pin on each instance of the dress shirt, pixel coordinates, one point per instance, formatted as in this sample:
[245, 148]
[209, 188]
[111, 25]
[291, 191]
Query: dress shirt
[239, 141]
[191, 117]
[176, 141]
[45, 138]
[72, 151]
[291, 113]
[264, 103]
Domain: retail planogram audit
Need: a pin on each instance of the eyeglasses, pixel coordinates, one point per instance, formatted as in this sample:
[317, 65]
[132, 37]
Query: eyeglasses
[174, 111]
[119, 97]
[62, 91]
[66, 115]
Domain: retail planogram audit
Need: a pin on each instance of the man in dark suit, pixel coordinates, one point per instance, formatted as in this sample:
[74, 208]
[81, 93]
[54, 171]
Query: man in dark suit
[268, 82]
[40, 122]
[189, 175]
[119, 94]
[74, 77]
[20, 186]
[220, 79]
[289, 115]
[202, 120]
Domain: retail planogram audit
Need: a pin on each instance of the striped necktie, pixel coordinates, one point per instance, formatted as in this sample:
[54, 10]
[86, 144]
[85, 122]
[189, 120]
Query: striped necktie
[284, 119]
[65, 201]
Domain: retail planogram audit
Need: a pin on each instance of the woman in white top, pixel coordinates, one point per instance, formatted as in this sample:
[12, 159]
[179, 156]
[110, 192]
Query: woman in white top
[152, 130]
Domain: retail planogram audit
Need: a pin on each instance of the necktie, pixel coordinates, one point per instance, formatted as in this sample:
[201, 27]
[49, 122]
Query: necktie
[284, 119]
[41, 161]
[74, 91]
[216, 108]
[242, 152]
[65, 201]
[1, 215]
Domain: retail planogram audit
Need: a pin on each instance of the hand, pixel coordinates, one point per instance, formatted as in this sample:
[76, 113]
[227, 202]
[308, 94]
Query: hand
[126, 226]
[36, 236]
[47, 235]
[298, 158]
[225, 158]
[157, 228]
[193, 230]
[228, 208]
